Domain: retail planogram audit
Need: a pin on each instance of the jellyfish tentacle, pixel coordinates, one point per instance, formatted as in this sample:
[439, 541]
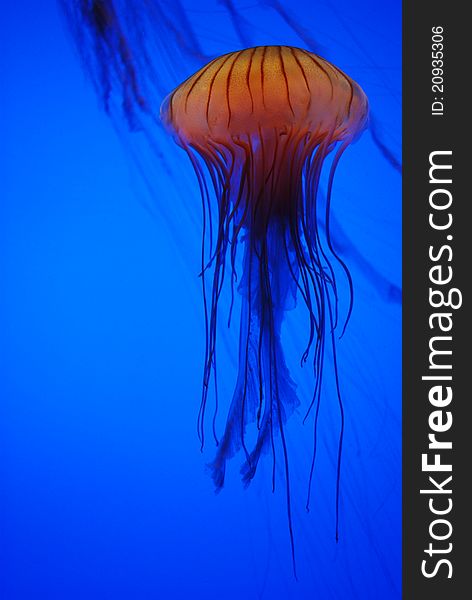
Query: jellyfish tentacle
[243, 407]
[233, 436]
[203, 191]
[341, 429]
[218, 256]
[289, 402]
[334, 165]
[316, 399]
[246, 360]
[245, 400]
[317, 252]
[296, 216]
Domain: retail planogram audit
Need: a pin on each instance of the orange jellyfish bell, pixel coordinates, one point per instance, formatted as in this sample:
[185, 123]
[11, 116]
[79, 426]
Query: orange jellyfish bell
[257, 125]
[259, 89]
[279, 100]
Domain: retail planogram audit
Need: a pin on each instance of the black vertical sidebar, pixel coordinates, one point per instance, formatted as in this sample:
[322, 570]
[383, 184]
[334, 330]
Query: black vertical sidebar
[444, 128]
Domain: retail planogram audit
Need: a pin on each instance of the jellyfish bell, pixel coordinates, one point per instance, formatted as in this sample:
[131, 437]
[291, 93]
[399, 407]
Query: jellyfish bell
[265, 87]
[259, 95]
[257, 125]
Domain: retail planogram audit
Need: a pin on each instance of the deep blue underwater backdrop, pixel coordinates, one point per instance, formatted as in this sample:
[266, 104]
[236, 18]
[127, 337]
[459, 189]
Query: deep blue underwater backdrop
[103, 489]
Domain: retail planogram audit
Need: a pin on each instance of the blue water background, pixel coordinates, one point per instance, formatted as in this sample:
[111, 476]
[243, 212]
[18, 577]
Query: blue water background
[103, 489]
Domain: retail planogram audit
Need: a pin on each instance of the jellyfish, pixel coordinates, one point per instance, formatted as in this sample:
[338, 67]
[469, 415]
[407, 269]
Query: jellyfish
[257, 126]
